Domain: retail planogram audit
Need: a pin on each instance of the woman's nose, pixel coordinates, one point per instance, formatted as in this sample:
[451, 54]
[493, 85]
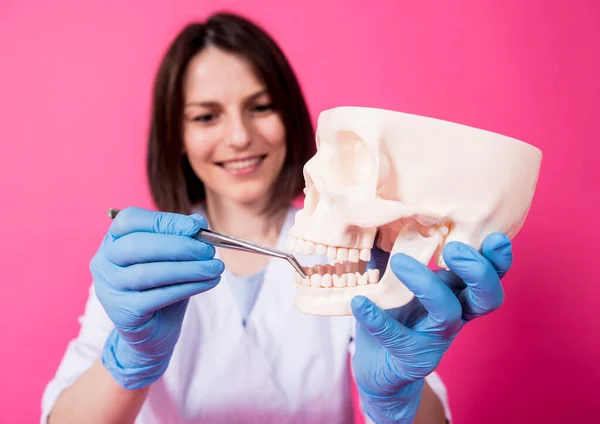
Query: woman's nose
[239, 135]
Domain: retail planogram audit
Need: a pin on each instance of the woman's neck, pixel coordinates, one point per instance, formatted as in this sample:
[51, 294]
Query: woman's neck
[244, 220]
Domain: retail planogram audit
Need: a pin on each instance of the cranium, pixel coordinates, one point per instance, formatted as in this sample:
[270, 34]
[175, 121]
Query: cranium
[416, 183]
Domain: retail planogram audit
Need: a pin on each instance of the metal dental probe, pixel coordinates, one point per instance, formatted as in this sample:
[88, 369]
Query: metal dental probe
[230, 242]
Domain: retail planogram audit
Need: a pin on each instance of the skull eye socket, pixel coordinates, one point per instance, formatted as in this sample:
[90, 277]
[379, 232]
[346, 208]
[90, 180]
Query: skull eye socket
[350, 159]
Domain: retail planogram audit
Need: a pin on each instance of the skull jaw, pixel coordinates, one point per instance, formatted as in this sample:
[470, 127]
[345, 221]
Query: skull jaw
[387, 294]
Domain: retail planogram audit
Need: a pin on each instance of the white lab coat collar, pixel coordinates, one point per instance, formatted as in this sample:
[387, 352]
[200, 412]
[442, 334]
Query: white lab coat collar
[274, 304]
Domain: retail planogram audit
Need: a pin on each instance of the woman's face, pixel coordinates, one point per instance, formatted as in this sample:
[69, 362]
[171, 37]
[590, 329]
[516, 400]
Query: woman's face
[234, 140]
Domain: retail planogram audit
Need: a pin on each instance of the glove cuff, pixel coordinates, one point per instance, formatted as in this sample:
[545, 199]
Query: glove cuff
[127, 367]
[398, 408]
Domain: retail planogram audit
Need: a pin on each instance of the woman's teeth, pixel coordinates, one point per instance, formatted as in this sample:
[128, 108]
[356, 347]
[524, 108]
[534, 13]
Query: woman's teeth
[241, 164]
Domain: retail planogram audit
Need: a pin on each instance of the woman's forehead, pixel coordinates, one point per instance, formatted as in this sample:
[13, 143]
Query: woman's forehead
[217, 75]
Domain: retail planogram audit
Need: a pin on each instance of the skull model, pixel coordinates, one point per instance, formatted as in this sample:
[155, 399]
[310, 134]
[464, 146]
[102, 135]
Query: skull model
[415, 183]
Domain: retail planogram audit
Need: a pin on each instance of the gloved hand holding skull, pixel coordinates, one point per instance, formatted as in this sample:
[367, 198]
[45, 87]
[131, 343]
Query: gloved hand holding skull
[397, 349]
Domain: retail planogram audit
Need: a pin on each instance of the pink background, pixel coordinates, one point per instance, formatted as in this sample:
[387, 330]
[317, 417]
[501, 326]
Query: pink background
[75, 79]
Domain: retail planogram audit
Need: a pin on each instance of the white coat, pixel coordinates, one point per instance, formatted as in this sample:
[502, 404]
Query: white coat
[282, 367]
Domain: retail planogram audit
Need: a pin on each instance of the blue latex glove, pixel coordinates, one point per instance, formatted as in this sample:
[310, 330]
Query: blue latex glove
[398, 348]
[145, 271]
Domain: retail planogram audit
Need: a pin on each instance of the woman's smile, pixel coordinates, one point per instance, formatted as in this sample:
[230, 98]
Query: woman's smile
[242, 166]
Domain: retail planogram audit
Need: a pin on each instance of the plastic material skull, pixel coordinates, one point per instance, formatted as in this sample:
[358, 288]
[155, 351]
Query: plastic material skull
[416, 183]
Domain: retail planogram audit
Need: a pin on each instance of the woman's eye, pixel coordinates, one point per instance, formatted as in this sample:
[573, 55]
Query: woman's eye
[263, 107]
[206, 118]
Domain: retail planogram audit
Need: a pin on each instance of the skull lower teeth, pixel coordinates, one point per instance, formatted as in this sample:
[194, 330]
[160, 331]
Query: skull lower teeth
[349, 270]
[337, 280]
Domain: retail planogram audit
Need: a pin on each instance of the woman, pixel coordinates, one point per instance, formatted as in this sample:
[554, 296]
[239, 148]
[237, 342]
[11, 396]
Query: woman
[230, 133]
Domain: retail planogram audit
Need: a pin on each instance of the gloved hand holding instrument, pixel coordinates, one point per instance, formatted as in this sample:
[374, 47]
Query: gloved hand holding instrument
[146, 269]
[396, 349]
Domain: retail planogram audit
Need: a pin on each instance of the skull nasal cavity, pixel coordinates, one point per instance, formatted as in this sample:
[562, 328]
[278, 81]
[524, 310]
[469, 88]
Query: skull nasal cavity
[355, 159]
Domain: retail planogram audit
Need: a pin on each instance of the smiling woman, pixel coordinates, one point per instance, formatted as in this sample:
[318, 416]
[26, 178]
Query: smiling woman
[233, 137]
[240, 101]
[215, 334]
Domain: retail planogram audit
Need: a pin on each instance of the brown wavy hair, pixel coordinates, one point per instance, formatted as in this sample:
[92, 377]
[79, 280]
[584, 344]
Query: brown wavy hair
[173, 184]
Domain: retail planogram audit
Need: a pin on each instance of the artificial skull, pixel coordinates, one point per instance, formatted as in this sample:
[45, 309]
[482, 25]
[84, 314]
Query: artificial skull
[416, 183]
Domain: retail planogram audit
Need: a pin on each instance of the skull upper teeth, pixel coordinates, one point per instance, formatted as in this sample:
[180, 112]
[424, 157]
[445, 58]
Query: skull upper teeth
[349, 271]
[338, 253]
